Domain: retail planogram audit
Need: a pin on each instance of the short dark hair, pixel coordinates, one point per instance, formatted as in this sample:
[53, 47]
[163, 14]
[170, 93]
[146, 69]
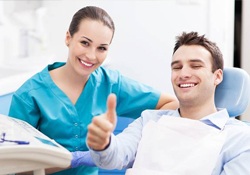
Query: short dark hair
[93, 13]
[192, 38]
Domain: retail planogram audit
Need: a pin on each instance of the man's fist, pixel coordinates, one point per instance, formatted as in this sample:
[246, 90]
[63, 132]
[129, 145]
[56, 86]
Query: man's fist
[102, 126]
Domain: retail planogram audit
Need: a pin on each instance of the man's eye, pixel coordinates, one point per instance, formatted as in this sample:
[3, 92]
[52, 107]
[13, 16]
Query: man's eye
[196, 66]
[176, 67]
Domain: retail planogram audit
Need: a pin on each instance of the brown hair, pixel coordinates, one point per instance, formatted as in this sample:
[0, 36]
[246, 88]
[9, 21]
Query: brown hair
[93, 13]
[193, 38]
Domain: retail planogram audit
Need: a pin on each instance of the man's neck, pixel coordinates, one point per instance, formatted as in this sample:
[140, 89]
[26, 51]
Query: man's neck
[196, 112]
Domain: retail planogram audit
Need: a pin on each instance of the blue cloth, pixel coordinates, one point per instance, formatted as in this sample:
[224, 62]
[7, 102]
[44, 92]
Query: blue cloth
[80, 158]
[233, 159]
[43, 105]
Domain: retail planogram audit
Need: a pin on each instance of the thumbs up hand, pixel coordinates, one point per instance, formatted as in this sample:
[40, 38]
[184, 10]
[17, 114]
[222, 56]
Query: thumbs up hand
[99, 131]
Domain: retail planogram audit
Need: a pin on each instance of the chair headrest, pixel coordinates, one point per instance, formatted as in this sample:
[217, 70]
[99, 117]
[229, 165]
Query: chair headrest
[233, 93]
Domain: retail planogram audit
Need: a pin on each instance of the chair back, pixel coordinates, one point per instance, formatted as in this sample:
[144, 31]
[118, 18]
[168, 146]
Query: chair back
[233, 93]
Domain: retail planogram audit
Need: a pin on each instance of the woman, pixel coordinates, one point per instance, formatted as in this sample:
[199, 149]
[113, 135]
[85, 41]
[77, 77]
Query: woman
[62, 99]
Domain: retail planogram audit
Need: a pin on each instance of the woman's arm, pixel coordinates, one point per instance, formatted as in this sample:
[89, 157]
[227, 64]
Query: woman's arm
[167, 101]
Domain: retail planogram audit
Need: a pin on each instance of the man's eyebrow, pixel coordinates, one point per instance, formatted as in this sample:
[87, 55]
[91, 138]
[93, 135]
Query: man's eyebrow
[196, 60]
[191, 61]
[174, 62]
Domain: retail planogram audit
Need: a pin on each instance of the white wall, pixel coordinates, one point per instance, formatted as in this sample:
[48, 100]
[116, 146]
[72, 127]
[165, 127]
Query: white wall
[1, 30]
[245, 52]
[145, 33]
[146, 30]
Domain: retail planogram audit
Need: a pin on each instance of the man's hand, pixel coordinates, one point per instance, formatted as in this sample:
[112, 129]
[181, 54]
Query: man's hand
[99, 131]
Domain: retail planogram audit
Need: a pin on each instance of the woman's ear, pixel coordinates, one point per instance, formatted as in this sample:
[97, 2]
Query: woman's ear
[67, 38]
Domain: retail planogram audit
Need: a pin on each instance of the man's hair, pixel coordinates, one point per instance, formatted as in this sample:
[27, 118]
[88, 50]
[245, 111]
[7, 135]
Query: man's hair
[193, 38]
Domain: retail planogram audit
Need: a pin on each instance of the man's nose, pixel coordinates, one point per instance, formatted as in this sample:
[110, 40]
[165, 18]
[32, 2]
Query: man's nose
[185, 72]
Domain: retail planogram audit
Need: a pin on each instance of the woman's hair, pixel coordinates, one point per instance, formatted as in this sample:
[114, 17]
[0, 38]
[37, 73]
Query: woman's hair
[92, 13]
[193, 38]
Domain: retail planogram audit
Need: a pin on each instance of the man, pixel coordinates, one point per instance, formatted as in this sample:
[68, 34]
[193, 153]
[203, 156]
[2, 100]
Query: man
[195, 139]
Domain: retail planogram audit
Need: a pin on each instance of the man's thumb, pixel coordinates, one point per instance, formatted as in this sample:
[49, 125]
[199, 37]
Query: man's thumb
[111, 109]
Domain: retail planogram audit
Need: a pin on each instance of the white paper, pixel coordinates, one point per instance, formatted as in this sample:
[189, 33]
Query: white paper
[178, 146]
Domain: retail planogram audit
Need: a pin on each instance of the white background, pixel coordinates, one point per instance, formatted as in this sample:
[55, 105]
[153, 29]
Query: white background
[144, 37]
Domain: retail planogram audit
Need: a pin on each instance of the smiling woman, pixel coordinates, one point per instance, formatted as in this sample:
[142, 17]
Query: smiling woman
[88, 48]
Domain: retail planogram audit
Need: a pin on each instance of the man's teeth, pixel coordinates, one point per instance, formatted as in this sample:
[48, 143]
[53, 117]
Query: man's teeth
[86, 64]
[186, 85]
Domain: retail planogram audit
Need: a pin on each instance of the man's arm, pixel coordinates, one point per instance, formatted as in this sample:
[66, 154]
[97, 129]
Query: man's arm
[121, 151]
[238, 165]
[107, 150]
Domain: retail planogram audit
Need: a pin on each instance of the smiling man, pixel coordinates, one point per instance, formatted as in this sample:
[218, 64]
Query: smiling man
[196, 139]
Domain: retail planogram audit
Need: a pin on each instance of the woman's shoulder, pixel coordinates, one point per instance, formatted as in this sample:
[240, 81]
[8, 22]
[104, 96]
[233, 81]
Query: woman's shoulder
[36, 81]
[106, 74]
[106, 71]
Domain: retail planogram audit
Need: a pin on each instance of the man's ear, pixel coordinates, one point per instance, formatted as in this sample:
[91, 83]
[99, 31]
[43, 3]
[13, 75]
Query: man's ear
[67, 38]
[218, 76]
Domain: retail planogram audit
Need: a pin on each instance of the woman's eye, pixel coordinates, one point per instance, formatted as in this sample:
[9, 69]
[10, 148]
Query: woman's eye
[85, 43]
[102, 48]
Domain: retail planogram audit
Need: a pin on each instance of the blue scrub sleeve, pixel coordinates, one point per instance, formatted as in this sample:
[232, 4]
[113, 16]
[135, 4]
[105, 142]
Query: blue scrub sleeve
[135, 97]
[20, 109]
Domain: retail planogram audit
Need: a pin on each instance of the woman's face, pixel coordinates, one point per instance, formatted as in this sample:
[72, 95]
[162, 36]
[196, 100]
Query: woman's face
[89, 46]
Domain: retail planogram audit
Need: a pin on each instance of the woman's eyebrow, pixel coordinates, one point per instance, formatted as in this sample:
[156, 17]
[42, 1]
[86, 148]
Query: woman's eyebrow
[87, 39]
[92, 41]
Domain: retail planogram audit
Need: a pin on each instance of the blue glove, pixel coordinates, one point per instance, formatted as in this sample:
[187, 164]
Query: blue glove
[81, 158]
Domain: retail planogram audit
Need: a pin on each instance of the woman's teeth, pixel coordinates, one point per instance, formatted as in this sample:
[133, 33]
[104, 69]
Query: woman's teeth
[86, 64]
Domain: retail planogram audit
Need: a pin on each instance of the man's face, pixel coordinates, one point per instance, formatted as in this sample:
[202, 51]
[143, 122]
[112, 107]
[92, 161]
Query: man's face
[192, 78]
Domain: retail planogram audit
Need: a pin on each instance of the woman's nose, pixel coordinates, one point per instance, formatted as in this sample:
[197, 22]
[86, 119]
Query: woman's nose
[90, 54]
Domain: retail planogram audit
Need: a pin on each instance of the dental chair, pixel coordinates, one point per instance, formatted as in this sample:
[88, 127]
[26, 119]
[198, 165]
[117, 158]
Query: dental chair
[233, 93]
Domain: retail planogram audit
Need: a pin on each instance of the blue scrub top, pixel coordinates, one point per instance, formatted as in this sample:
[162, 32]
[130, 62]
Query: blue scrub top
[46, 107]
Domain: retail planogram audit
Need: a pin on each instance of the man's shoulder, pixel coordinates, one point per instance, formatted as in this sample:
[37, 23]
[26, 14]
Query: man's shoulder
[153, 114]
[159, 112]
[237, 128]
